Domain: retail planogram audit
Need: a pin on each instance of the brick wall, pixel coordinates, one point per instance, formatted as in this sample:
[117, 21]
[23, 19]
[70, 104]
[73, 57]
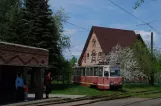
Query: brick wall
[18, 55]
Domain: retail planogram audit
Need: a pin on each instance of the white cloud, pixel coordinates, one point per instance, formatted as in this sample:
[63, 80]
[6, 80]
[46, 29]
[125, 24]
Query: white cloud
[75, 5]
[119, 26]
[146, 35]
[75, 50]
[70, 32]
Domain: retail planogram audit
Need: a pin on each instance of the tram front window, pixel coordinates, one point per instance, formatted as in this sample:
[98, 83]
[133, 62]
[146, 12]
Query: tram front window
[115, 73]
[106, 74]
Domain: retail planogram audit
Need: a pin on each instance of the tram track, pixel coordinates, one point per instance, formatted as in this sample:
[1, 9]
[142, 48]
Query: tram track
[90, 100]
[68, 101]
[140, 101]
[138, 93]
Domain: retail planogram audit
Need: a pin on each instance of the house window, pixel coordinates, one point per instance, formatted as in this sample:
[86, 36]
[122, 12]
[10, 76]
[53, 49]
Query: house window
[93, 56]
[99, 56]
[93, 43]
[87, 55]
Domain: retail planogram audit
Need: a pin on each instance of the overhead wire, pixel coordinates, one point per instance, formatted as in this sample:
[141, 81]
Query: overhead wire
[144, 23]
[75, 25]
[148, 24]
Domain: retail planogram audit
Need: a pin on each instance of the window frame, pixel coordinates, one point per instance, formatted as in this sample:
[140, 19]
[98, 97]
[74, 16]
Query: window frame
[87, 56]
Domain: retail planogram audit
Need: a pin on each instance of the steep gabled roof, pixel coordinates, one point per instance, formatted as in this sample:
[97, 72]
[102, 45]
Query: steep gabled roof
[109, 37]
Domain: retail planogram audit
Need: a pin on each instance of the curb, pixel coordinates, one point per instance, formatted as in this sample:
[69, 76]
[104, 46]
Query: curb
[79, 99]
[39, 101]
[72, 100]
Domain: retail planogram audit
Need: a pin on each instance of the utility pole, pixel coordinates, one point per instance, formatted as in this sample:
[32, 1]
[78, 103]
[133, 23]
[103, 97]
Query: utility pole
[152, 44]
[152, 74]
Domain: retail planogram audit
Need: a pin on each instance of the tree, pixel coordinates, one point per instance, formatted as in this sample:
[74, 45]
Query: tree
[149, 64]
[136, 61]
[10, 16]
[129, 66]
[35, 25]
[73, 61]
[42, 29]
[137, 3]
[60, 17]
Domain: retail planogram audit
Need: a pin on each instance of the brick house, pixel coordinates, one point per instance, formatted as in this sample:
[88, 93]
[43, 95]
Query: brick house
[100, 42]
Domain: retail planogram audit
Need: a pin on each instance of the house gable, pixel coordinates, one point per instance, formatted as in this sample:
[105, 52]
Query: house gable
[93, 52]
[106, 38]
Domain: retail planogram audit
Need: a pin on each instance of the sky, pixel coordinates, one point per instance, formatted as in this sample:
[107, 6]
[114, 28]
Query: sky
[88, 13]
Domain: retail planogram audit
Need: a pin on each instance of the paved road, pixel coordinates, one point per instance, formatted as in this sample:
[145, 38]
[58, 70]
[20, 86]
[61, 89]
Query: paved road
[129, 102]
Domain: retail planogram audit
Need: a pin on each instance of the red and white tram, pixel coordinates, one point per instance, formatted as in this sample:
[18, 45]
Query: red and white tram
[102, 76]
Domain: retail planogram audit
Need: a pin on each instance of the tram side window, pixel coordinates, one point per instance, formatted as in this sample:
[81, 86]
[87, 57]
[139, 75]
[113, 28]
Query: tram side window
[73, 71]
[87, 72]
[76, 71]
[91, 71]
[95, 71]
[79, 71]
[100, 71]
[83, 72]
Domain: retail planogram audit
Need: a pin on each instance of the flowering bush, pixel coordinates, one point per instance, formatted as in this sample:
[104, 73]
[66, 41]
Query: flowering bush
[129, 66]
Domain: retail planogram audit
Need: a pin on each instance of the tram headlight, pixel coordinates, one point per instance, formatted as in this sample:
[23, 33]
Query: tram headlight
[111, 83]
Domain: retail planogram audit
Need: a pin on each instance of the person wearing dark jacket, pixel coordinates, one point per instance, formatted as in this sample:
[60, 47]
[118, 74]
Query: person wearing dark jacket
[47, 84]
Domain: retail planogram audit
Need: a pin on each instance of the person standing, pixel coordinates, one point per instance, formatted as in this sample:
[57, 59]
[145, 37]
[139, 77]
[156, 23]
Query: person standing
[19, 88]
[26, 91]
[47, 84]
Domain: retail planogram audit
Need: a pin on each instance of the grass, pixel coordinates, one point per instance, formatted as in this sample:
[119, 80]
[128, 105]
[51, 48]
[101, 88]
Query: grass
[82, 90]
[154, 95]
[144, 90]
[140, 87]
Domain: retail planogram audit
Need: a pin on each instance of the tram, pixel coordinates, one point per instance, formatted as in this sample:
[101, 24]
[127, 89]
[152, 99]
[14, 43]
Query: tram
[102, 76]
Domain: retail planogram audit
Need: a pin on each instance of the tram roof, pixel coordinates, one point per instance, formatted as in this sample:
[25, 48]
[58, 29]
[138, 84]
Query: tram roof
[94, 66]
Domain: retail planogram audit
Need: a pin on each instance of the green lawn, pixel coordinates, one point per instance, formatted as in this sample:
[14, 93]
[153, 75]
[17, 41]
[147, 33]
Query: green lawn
[135, 90]
[140, 87]
[83, 90]
[143, 90]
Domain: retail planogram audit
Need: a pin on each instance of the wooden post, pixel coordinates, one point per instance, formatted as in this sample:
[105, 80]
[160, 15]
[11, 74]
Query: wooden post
[39, 83]
[0, 74]
[25, 73]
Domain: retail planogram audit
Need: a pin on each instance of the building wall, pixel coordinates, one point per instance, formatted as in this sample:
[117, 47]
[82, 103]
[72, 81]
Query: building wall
[11, 54]
[93, 50]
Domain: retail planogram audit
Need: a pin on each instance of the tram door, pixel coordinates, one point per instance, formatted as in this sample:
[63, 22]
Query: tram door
[106, 80]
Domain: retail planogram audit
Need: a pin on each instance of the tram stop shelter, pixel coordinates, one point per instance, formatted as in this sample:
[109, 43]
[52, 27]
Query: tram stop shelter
[30, 61]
